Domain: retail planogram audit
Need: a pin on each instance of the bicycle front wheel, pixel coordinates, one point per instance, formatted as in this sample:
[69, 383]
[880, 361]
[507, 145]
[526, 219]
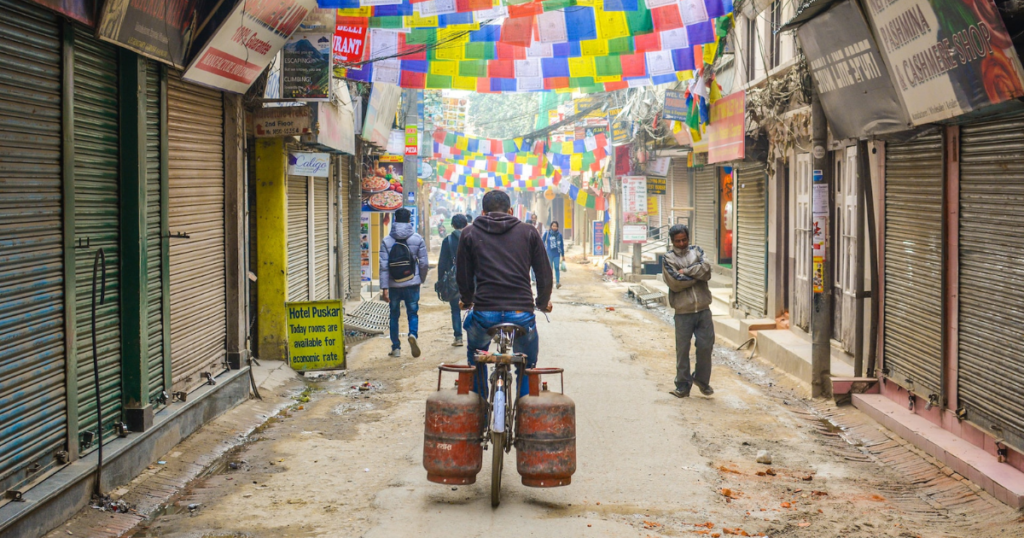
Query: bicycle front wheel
[497, 462]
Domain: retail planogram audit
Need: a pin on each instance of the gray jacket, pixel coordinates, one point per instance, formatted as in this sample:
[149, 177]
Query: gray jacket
[687, 274]
[403, 230]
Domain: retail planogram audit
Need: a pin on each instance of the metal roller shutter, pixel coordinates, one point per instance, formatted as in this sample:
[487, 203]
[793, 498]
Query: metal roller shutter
[679, 177]
[991, 366]
[344, 242]
[298, 238]
[322, 238]
[355, 271]
[913, 264]
[33, 403]
[705, 185]
[195, 132]
[96, 225]
[154, 237]
[752, 239]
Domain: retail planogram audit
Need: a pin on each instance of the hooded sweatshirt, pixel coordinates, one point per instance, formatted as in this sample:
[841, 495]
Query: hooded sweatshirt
[399, 231]
[498, 251]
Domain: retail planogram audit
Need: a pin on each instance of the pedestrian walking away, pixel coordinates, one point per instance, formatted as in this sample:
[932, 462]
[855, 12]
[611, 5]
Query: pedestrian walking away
[555, 248]
[493, 266]
[686, 272]
[447, 287]
[403, 267]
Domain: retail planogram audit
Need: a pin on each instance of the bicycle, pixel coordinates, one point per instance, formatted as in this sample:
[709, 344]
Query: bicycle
[502, 415]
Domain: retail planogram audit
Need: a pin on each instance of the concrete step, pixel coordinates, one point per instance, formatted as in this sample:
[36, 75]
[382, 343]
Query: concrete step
[792, 353]
[1001, 480]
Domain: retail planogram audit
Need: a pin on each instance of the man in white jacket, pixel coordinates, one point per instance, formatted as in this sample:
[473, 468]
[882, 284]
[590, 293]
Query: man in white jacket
[687, 272]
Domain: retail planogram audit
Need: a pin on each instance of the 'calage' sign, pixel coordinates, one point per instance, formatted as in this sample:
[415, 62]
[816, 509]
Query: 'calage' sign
[308, 164]
[316, 336]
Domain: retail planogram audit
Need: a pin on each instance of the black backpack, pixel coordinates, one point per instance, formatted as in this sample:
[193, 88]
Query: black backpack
[447, 287]
[401, 263]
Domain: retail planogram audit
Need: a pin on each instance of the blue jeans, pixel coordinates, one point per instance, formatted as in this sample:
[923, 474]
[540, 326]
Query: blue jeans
[476, 327]
[411, 296]
[555, 266]
[456, 318]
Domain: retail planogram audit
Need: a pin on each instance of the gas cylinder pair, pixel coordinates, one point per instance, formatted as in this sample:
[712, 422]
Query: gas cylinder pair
[456, 419]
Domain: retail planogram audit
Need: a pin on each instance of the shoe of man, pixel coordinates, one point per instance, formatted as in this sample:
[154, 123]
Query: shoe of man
[414, 346]
[457, 342]
[680, 394]
[706, 390]
[395, 353]
[559, 286]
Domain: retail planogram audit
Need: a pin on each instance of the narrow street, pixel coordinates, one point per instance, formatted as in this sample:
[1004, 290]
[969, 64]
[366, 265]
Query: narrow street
[344, 462]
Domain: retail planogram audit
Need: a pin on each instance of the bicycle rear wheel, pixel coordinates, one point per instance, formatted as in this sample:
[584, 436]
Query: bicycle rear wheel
[497, 462]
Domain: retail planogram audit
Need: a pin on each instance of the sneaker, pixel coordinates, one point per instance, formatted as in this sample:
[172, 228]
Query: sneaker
[457, 342]
[414, 346]
[706, 390]
[395, 353]
[558, 286]
[680, 394]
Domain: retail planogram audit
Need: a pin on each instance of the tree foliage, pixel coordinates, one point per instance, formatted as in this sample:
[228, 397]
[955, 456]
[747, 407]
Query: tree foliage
[506, 115]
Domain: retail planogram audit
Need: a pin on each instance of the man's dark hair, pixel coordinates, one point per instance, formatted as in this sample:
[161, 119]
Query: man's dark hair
[496, 202]
[459, 222]
[403, 215]
[469, 218]
[679, 229]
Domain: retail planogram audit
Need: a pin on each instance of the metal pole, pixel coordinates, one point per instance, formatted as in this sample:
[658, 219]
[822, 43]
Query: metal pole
[637, 258]
[410, 164]
[821, 277]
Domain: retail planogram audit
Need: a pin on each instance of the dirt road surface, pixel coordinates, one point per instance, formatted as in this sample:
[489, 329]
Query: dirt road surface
[341, 462]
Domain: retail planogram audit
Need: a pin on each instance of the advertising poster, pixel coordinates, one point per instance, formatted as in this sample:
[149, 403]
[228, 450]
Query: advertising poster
[382, 185]
[246, 42]
[597, 238]
[725, 132]
[316, 336]
[309, 164]
[349, 42]
[656, 185]
[634, 209]
[675, 105]
[946, 58]
[412, 144]
[306, 58]
[852, 81]
[365, 267]
[159, 30]
[818, 275]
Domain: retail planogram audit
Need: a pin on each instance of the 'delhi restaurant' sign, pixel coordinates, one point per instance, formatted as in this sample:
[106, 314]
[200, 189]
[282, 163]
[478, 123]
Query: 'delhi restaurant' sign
[946, 57]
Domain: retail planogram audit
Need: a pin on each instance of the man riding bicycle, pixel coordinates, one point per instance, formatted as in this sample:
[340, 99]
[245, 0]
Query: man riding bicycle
[493, 267]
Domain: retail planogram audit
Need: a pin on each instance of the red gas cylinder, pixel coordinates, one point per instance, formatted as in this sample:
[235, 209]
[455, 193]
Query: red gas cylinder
[546, 442]
[454, 427]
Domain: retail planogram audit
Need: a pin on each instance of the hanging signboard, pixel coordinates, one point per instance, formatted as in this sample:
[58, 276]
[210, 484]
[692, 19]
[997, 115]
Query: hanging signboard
[412, 144]
[656, 185]
[306, 58]
[946, 58]
[597, 238]
[725, 132]
[675, 106]
[282, 121]
[83, 11]
[245, 43]
[658, 167]
[383, 190]
[634, 209]
[349, 42]
[308, 164]
[854, 85]
[380, 113]
[316, 336]
[159, 30]
[335, 121]
[620, 133]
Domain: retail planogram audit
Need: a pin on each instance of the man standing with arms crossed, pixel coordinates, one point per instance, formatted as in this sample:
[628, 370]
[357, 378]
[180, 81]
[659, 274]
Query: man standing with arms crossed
[687, 272]
[492, 267]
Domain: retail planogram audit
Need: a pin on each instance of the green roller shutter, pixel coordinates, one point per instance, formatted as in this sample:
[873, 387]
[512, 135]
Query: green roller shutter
[33, 405]
[96, 226]
[154, 239]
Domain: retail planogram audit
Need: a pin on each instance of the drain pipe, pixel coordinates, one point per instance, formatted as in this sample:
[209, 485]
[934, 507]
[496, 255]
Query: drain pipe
[100, 261]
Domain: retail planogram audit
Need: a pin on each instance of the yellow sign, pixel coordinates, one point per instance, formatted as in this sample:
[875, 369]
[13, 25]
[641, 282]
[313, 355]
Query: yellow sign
[652, 205]
[818, 275]
[316, 336]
